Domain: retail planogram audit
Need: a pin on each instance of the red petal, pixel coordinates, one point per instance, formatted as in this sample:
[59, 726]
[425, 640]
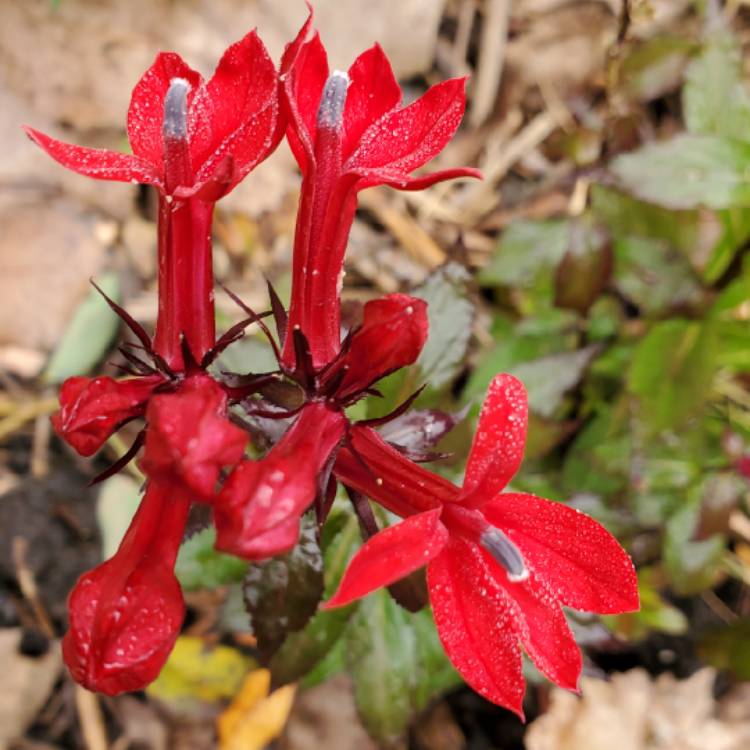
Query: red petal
[257, 513]
[408, 138]
[96, 162]
[92, 409]
[541, 626]
[578, 559]
[189, 438]
[392, 335]
[372, 93]
[388, 477]
[146, 112]
[497, 451]
[126, 614]
[390, 555]
[304, 70]
[240, 103]
[401, 181]
[476, 624]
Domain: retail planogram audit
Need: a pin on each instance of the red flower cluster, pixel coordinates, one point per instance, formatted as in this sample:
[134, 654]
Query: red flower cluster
[500, 565]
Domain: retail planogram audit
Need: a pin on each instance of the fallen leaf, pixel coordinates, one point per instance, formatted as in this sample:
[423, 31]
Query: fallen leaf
[255, 717]
[642, 713]
[196, 673]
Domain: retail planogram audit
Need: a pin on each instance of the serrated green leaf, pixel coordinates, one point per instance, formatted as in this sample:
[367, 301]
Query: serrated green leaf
[281, 594]
[688, 171]
[200, 566]
[88, 336]
[397, 664]
[672, 371]
[450, 313]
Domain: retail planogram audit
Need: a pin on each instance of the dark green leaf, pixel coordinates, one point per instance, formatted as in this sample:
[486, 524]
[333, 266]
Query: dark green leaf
[282, 593]
[688, 171]
[303, 650]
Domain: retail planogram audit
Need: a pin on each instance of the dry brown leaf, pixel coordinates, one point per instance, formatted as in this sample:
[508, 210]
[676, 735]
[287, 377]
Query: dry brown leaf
[27, 682]
[255, 717]
[636, 712]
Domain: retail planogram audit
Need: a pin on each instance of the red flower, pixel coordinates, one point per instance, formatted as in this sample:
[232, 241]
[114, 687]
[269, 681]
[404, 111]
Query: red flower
[189, 136]
[194, 141]
[500, 565]
[189, 438]
[126, 614]
[348, 132]
[258, 511]
[91, 409]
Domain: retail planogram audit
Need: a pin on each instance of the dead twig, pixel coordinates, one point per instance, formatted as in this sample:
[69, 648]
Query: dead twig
[27, 584]
[91, 719]
[491, 59]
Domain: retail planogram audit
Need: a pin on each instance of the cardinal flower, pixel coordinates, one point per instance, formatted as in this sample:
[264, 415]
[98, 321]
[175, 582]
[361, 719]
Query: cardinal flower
[193, 141]
[499, 564]
[348, 131]
[126, 614]
[257, 513]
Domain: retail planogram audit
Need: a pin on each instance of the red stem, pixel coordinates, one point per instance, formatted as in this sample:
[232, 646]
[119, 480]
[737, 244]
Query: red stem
[186, 284]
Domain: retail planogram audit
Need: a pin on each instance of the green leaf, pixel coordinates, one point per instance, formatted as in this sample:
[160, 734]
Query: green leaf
[598, 462]
[715, 99]
[547, 333]
[282, 594]
[525, 248]
[450, 313]
[118, 500]
[688, 171]
[625, 216]
[397, 664]
[89, 334]
[302, 651]
[672, 371]
[735, 226]
[653, 276]
[200, 566]
[548, 379]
